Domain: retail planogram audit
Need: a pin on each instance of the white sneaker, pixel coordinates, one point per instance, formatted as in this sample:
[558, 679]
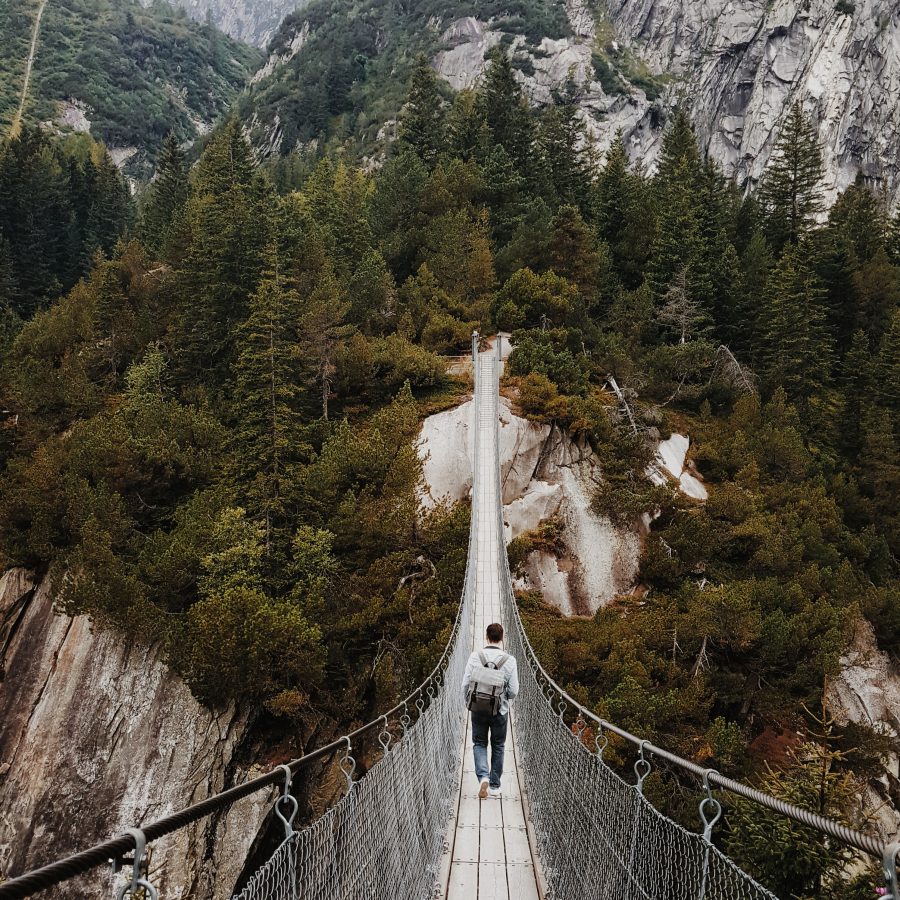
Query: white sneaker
[495, 792]
[483, 790]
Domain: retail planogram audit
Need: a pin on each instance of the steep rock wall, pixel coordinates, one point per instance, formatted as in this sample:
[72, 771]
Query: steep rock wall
[251, 21]
[738, 67]
[98, 736]
[746, 63]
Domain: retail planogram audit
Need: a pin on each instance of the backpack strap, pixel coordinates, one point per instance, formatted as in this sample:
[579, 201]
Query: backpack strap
[482, 657]
[501, 661]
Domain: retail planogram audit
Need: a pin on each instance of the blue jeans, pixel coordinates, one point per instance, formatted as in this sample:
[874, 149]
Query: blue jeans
[482, 723]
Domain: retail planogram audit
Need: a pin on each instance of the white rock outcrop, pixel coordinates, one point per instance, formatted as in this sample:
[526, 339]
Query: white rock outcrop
[671, 454]
[867, 692]
[98, 736]
[545, 475]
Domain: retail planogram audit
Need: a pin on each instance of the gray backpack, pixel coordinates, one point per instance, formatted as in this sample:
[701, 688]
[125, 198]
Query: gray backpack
[488, 685]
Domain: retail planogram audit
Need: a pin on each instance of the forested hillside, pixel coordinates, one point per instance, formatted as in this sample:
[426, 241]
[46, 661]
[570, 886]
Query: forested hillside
[128, 73]
[209, 439]
[339, 69]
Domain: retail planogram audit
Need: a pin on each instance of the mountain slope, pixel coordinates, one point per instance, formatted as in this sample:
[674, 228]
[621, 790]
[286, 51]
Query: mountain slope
[337, 70]
[125, 73]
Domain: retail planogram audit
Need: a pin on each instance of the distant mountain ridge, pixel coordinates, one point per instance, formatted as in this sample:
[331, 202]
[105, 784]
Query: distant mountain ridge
[125, 73]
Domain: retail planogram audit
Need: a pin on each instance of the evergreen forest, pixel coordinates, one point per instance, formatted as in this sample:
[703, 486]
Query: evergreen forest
[210, 395]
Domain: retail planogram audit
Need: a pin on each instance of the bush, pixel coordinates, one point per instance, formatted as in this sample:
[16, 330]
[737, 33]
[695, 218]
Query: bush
[398, 360]
[244, 645]
[536, 355]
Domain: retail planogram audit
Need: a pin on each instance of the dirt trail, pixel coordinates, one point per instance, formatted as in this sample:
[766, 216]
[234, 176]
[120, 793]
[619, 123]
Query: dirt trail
[17, 118]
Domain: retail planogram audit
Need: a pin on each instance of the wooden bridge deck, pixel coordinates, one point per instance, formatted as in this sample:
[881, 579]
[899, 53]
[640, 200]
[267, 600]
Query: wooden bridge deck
[491, 855]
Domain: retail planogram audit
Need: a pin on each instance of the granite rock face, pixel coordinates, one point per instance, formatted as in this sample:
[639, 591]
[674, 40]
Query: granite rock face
[251, 21]
[98, 736]
[738, 67]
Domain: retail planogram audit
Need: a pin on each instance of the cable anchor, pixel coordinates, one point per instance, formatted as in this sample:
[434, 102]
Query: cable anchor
[642, 769]
[139, 880]
[348, 765]
[292, 805]
[709, 821]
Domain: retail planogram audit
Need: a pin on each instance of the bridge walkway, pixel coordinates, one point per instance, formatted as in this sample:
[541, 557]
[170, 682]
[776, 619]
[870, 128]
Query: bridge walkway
[491, 855]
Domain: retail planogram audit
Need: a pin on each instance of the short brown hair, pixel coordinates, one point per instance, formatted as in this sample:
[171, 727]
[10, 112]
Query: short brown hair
[495, 633]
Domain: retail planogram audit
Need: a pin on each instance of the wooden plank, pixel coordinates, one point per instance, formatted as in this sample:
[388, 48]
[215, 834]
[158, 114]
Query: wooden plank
[493, 847]
[463, 881]
[492, 882]
[466, 846]
[469, 811]
[513, 814]
[521, 881]
[491, 813]
[518, 850]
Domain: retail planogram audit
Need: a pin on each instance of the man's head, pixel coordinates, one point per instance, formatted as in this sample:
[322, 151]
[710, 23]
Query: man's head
[495, 633]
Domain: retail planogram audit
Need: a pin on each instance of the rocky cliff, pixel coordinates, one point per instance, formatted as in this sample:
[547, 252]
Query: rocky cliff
[737, 66]
[251, 21]
[546, 476]
[98, 736]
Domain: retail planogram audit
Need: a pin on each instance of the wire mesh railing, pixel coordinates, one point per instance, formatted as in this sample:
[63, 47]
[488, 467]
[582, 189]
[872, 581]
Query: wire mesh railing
[597, 835]
[592, 826]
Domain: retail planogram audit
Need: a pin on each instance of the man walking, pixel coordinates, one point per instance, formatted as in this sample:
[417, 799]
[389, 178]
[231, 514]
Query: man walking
[490, 682]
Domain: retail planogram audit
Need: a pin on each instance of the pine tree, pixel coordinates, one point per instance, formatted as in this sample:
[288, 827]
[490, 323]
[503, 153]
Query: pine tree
[504, 190]
[879, 472]
[9, 287]
[680, 157]
[887, 375]
[165, 197]
[791, 185]
[467, 131]
[110, 210]
[862, 218]
[322, 331]
[727, 288]
[678, 245]
[876, 286]
[505, 110]
[745, 336]
[267, 402]
[229, 218]
[573, 252]
[856, 386]
[612, 193]
[37, 219]
[422, 122]
[791, 859]
[563, 142]
[797, 349]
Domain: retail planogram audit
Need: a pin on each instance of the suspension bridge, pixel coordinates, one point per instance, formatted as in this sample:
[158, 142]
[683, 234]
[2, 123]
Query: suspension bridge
[567, 827]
